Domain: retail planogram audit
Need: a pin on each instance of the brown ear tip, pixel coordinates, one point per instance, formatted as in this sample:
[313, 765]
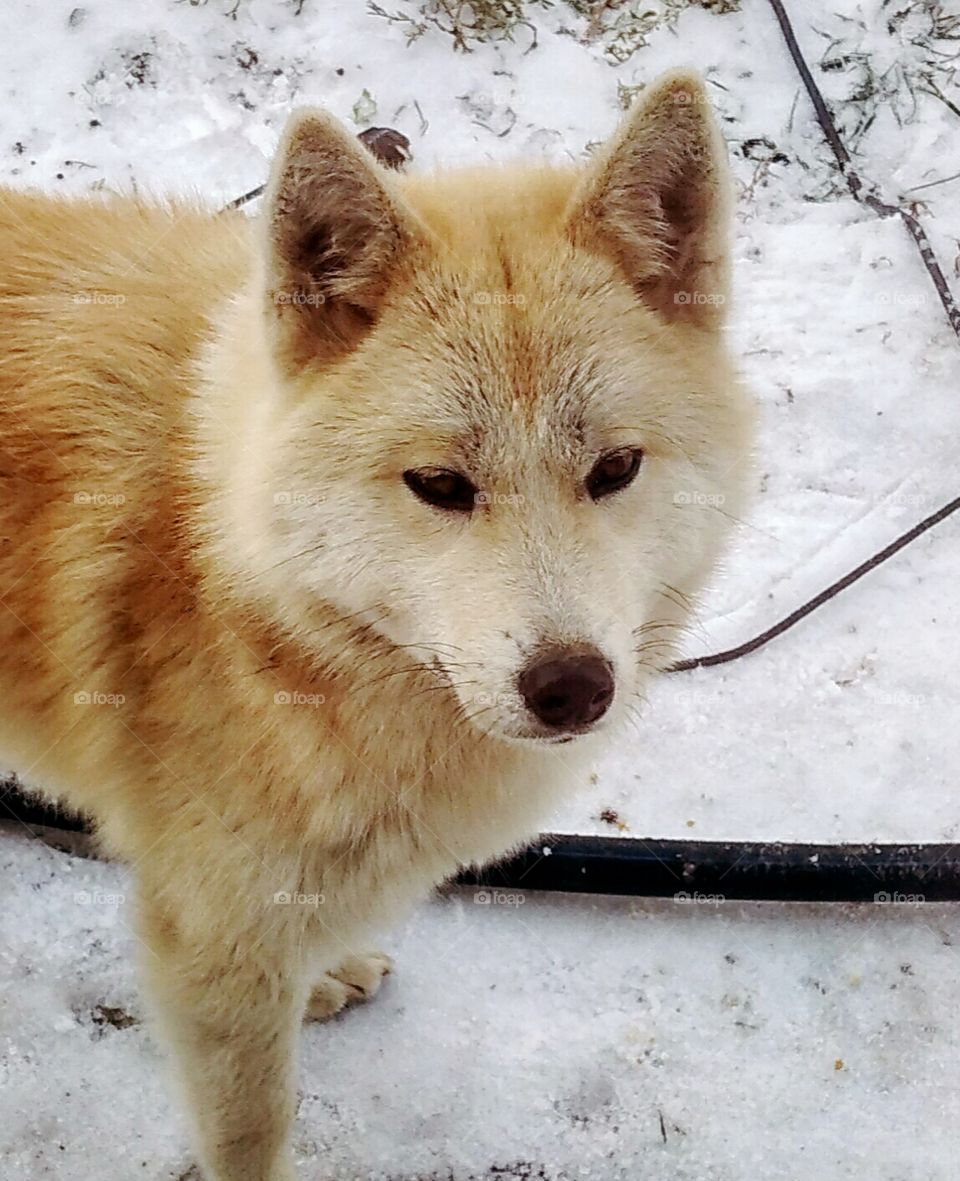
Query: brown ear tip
[312, 126]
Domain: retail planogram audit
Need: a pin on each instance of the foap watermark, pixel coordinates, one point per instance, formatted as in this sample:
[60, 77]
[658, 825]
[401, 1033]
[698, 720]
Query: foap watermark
[699, 899]
[99, 499]
[98, 898]
[896, 898]
[114, 700]
[113, 299]
[296, 898]
[684, 98]
[911, 500]
[699, 298]
[307, 499]
[704, 499]
[901, 299]
[499, 898]
[898, 700]
[498, 96]
[693, 699]
[283, 697]
[500, 298]
[508, 700]
[498, 498]
[299, 299]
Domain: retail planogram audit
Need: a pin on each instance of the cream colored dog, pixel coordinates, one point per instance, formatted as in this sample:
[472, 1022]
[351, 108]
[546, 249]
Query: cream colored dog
[318, 535]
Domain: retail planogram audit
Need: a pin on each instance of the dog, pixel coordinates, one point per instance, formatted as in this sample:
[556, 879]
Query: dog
[335, 542]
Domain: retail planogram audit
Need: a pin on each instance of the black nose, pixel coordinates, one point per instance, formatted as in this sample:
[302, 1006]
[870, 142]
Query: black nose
[568, 689]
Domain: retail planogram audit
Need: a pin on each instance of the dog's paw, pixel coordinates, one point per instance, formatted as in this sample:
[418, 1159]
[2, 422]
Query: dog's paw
[357, 979]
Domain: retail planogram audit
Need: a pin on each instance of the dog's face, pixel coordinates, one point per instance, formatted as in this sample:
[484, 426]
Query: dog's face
[513, 438]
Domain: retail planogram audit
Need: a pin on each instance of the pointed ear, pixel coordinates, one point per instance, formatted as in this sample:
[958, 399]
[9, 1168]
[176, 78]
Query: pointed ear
[658, 201]
[337, 234]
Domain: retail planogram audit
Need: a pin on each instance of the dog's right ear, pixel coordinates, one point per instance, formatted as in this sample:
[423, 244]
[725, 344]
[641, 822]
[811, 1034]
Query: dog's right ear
[337, 234]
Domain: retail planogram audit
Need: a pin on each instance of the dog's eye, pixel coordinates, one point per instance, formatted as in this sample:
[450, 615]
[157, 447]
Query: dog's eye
[442, 489]
[613, 471]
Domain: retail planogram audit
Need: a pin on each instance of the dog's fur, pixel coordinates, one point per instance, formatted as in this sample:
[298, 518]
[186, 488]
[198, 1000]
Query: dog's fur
[232, 633]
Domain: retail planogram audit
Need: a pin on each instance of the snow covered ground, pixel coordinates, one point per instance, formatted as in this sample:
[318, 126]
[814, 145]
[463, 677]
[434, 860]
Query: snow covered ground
[562, 1039]
[587, 1038]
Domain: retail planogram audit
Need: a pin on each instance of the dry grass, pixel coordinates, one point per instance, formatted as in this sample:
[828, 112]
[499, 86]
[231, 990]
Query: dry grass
[464, 22]
[926, 61]
[621, 27]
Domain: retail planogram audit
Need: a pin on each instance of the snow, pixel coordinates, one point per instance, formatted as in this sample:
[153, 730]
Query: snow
[544, 1039]
[770, 1040]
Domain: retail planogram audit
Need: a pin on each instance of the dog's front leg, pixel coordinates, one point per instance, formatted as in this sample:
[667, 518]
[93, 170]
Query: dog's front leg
[229, 998]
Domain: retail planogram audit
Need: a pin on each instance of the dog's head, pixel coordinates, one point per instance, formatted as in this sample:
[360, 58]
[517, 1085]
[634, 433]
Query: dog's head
[508, 437]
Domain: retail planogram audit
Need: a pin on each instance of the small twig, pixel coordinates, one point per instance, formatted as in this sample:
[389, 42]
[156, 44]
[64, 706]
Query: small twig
[930, 183]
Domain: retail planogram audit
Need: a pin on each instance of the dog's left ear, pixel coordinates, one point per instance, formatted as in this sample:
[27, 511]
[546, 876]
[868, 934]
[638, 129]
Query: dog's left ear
[337, 235]
[658, 200]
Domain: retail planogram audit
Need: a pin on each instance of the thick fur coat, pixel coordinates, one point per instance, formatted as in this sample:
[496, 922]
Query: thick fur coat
[231, 627]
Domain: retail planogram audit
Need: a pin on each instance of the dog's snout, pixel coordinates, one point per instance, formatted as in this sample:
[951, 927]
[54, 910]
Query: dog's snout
[568, 690]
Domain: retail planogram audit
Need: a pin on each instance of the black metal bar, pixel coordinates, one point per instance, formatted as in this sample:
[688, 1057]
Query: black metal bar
[690, 871]
[705, 871]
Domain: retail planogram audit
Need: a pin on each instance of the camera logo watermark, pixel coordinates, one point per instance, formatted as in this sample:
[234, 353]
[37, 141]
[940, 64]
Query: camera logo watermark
[899, 700]
[500, 299]
[683, 98]
[98, 898]
[312, 699]
[902, 299]
[299, 299]
[499, 898]
[697, 699]
[100, 298]
[295, 898]
[99, 499]
[695, 896]
[508, 700]
[707, 499]
[699, 298]
[115, 700]
[308, 499]
[498, 498]
[896, 898]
